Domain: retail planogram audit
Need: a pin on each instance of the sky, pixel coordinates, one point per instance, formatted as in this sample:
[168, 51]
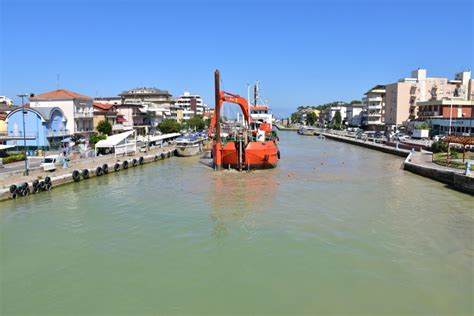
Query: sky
[302, 52]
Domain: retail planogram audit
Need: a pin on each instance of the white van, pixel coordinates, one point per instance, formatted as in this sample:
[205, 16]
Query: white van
[50, 162]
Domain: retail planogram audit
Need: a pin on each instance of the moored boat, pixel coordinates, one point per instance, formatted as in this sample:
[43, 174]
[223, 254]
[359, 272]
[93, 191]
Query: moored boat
[188, 146]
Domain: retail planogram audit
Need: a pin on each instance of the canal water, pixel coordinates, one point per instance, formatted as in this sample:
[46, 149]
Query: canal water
[335, 229]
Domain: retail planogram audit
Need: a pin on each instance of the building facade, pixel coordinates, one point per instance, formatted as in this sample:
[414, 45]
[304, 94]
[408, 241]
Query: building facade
[44, 126]
[374, 108]
[403, 97]
[77, 109]
[186, 106]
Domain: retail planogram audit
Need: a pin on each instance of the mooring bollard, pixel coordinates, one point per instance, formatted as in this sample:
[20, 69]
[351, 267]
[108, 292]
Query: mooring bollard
[467, 172]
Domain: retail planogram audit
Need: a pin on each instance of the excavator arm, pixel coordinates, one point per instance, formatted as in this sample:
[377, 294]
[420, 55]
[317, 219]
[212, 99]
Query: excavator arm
[232, 98]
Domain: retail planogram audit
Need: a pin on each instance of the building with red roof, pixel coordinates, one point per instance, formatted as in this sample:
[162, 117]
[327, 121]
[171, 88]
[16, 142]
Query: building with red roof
[76, 107]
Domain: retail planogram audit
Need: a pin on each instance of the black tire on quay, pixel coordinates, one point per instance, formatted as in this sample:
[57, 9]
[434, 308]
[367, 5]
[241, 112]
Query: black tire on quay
[35, 190]
[169, 154]
[125, 164]
[14, 195]
[35, 183]
[85, 173]
[47, 180]
[48, 186]
[105, 168]
[25, 186]
[42, 185]
[117, 167]
[134, 162]
[140, 160]
[76, 176]
[156, 157]
[25, 192]
[13, 188]
[98, 171]
[163, 155]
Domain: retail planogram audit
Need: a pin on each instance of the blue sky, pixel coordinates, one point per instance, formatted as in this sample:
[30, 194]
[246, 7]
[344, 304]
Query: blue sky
[303, 52]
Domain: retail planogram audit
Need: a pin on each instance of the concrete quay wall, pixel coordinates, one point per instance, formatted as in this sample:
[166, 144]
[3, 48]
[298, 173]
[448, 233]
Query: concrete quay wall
[67, 177]
[453, 178]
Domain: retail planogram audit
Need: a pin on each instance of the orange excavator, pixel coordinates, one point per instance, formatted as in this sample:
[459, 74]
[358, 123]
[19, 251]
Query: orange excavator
[241, 149]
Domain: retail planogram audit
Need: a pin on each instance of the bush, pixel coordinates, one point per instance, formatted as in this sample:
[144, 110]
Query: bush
[439, 146]
[454, 153]
[14, 158]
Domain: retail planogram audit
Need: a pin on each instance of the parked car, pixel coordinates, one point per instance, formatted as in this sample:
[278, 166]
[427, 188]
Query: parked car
[50, 162]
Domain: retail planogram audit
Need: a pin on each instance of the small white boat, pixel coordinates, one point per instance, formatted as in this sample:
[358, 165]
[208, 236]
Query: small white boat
[187, 147]
[307, 131]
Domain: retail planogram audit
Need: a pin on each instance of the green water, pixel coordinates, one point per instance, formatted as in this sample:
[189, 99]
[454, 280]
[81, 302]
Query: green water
[334, 230]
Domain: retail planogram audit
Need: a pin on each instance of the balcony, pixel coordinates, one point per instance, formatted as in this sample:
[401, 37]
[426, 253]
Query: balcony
[117, 127]
[57, 133]
[83, 115]
[375, 99]
[374, 114]
[374, 107]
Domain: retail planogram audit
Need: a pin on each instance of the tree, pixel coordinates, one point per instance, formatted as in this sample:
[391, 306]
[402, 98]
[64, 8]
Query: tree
[337, 120]
[356, 102]
[169, 126]
[295, 117]
[311, 118]
[104, 127]
[196, 122]
[94, 138]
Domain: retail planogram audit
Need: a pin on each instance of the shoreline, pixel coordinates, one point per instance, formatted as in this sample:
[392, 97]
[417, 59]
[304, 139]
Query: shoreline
[416, 162]
[65, 176]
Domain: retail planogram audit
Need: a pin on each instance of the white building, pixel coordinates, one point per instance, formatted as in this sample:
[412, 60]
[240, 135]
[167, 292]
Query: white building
[188, 105]
[354, 114]
[6, 101]
[374, 108]
[77, 109]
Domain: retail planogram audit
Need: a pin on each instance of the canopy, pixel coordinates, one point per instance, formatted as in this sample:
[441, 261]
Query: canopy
[113, 140]
[163, 137]
[2, 147]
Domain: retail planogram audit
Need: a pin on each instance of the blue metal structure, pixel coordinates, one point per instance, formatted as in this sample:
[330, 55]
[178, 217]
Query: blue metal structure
[46, 124]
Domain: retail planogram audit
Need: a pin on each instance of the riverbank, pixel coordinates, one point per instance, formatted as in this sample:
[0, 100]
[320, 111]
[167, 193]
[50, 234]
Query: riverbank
[77, 171]
[417, 161]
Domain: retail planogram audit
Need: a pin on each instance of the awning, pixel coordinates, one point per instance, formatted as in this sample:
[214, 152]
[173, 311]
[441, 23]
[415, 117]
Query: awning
[3, 147]
[66, 140]
[163, 137]
[113, 140]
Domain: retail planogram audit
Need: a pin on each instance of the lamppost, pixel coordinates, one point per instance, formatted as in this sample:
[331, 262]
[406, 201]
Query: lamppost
[22, 96]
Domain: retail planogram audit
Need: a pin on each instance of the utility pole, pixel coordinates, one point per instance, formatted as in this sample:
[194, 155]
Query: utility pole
[22, 96]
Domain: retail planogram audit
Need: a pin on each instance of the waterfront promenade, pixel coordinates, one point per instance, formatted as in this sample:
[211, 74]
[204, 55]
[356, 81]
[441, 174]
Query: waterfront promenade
[64, 175]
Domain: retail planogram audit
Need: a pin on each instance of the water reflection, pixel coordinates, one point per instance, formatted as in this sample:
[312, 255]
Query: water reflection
[237, 196]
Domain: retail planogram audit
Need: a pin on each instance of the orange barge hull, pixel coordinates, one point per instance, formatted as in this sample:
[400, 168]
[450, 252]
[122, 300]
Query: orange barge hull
[256, 155]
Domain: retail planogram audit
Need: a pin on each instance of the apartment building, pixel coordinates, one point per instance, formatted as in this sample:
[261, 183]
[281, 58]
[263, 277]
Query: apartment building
[403, 98]
[77, 109]
[374, 108]
[144, 108]
[188, 105]
[354, 114]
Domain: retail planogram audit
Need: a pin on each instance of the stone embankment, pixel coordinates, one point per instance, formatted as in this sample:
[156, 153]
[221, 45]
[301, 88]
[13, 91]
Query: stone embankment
[16, 186]
[417, 161]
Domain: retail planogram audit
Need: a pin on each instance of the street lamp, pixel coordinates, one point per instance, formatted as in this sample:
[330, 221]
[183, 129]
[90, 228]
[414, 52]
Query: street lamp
[22, 96]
